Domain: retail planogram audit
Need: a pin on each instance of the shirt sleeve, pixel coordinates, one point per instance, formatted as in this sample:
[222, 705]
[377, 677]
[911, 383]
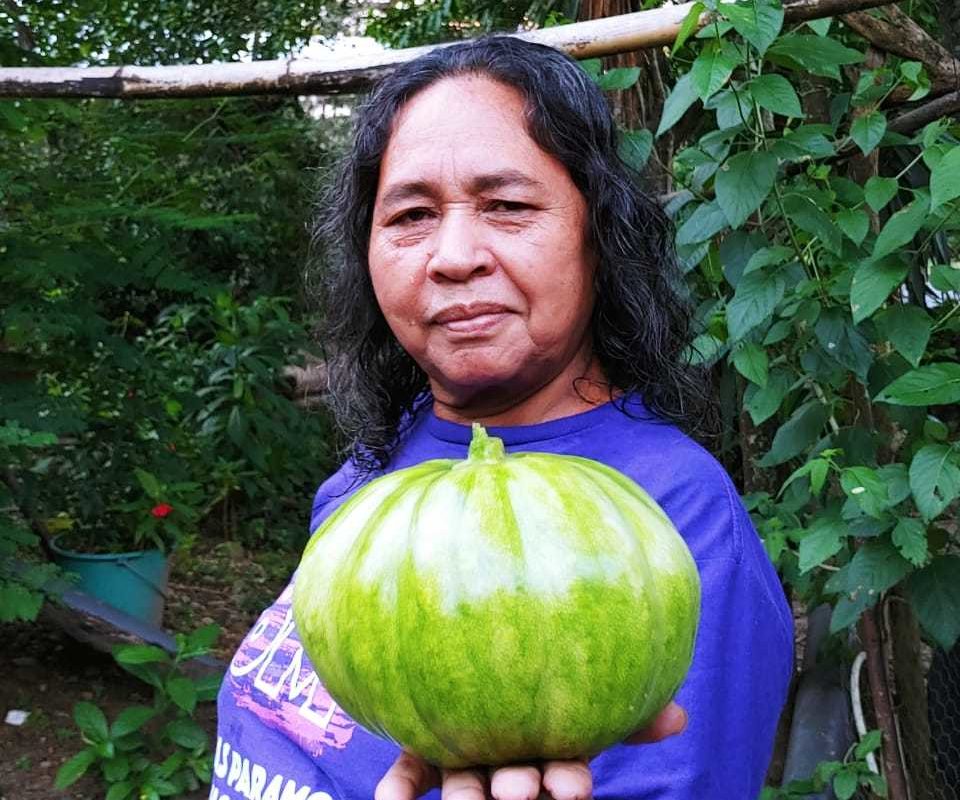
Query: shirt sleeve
[740, 675]
[332, 492]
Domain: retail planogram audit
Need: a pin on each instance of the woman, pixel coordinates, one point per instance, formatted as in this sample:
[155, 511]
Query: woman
[498, 264]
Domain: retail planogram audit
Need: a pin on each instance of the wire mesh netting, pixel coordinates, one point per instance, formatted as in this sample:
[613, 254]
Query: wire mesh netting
[941, 778]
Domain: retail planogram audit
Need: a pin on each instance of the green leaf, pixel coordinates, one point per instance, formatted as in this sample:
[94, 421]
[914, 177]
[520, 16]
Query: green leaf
[763, 403]
[866, 488]
[706, 221]
[116, 769]
[767, 256]
[933, 384]
[705, 349]
[618, 79]
[203, 638]
[689, 26]
[907, 328]
[751, 361]
[871, 741]
[149, 483]
[803, 212]
[855, 223]
[820, 26]
[902, 226]
[817, 54]
[91, 721]
[681, 97]
[754, 301]
[945, 179]
[635, 148]
[120, 791]
[874, 568]
[74, 769]
[867, 131]
[776, 94]
[131, 719]
[18, 602]
[798, 433]
[743, 183]
[935, 594]
[186, 733]
[843, 342]
[873, 281]
[141, 654]
[182, 691]
[880, 191]
[713, 67]
[910, 538]
[757, 22]
[821, 542]
[945, 277]
[934, 479]
[845, 784]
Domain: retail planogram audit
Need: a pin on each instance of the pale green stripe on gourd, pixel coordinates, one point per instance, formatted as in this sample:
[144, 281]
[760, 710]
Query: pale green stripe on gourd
[499, 608]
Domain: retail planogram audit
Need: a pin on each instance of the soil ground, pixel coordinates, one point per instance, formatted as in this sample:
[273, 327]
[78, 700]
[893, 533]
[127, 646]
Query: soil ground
[45, 672]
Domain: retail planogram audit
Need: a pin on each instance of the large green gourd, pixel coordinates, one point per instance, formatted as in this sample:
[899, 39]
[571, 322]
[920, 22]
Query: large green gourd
[501, 608]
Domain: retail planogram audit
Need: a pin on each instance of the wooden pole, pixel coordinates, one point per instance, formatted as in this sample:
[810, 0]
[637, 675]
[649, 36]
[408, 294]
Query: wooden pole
[351, 74]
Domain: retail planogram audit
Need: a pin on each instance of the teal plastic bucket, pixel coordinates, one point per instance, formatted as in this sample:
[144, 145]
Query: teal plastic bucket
[135, 583]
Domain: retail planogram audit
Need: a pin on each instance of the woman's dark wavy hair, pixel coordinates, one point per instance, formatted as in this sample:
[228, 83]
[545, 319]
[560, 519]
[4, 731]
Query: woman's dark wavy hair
[641, 323]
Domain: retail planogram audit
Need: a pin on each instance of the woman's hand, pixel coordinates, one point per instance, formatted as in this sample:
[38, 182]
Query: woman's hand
[411, 776]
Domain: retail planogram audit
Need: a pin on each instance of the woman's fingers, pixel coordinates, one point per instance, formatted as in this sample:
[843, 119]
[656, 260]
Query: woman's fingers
[568, 780]
[464, 784]
[408, 778]
[519, 782]
[671, 721]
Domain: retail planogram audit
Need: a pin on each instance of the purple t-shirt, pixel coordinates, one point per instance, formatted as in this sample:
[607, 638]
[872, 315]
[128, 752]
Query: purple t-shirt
[281, 737]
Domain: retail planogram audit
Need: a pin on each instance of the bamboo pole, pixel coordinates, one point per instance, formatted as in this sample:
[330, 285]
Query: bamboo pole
[351, 74]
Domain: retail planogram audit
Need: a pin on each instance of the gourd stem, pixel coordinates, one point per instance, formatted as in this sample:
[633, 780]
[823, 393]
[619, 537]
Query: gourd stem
[484, 447]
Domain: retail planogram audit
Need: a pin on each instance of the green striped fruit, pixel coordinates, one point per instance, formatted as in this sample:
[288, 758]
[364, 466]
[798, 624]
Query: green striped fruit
[501, 608]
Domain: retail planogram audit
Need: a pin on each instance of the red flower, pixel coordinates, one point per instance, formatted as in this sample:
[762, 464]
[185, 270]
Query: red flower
[161, 510]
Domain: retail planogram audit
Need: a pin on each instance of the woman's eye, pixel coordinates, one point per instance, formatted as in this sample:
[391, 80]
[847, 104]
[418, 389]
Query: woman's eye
[507, 205]
[411, 215]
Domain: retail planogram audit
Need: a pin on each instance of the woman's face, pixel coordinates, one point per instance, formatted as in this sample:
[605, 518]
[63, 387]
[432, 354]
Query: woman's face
[478, 251]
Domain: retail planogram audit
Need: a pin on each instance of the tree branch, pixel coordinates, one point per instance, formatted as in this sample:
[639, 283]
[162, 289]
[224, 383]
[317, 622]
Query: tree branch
[638, 31]
[945, 106]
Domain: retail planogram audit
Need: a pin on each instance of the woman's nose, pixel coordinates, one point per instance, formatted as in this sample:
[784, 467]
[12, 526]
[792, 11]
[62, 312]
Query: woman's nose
[459, 252]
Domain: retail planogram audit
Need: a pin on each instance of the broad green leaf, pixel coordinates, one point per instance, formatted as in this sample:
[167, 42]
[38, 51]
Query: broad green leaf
[935, 595]
[880, 191]
[803, 212]
[874, 568]
[618, 79]
[845, 784]
[182, 691]
[855, 223]
[945, 277]
[934, 479]
[873, 281]
[817, 54]
[635, 148]
[867, 131]
[705, 349]
[203, 638]
[131, 719]
[141, 654]
[120, 791]
[713, 67]
[871, 741]
[751, 361]
[91, 721]
[681, 97]
[933, 384]
[743, 183]
[763, 403]
[820, 26]
[902, 226]
[821, 542]
[843, 342]
[116, 769]
[754, 301]
[74, 769]
[706, 220]
[757, 22]
[149, 483]
[768, 256]
[779, 331]
[18, 602]
[186, 733]
[916, 76]
[689, 26]
[910, 538]
[945, 179]
[866, 488]
[776, 94]
[733, 106]
[798, 433]
[907, 327]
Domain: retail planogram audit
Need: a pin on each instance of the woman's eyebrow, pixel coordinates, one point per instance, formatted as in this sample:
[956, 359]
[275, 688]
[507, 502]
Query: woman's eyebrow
[405, 190]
